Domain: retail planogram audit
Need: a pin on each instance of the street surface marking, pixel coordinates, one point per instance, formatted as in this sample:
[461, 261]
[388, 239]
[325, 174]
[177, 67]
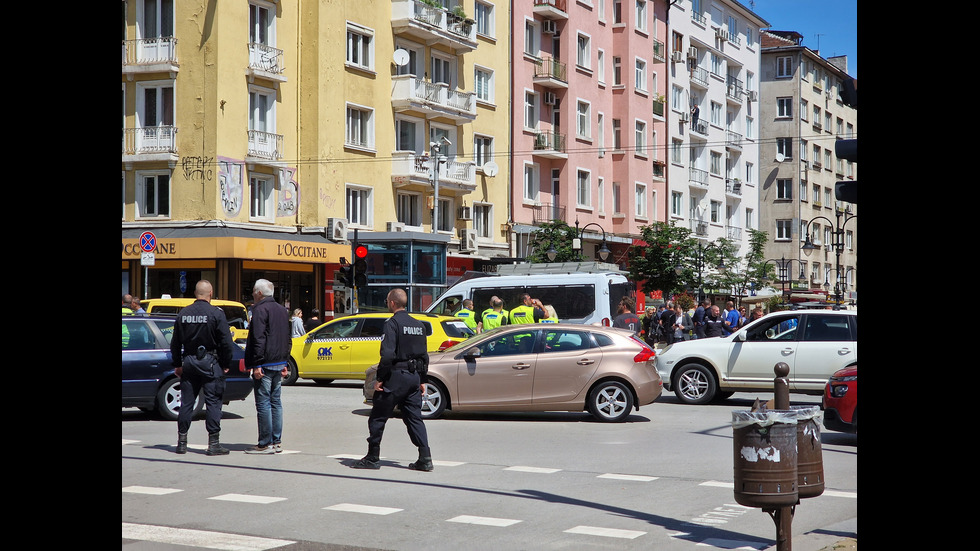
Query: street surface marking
[732, 544]
[605, 532]
[448, 463]
[717, 484]
[130, 442]
[354, 508]
[532, 470]
[484, 521]
[242, 498]
[199, 538]
[635, 477]
[150, 491]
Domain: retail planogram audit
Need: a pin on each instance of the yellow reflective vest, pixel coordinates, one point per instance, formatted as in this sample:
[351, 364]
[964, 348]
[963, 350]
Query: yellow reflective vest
[468, 317]
[492, 318]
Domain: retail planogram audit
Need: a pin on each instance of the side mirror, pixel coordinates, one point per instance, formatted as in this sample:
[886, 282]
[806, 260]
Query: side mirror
[471, 354]
[740, 336]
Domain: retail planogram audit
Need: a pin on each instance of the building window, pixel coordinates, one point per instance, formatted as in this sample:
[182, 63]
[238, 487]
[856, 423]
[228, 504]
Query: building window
[482, 150]
[583, 51]
[676, 202]
[360, 46]
[600, 192]
[641, 200]
[484, 84]
[784, 66]
[154, 105]
[530, 110]
[617, 135]
[409, 209]
[641, 139]
[484, 18]
[359, 206]
[532, 182]
[262, 197]
[583, 124]
[641, 75]
[784, 188]
[714, 163]
[409, 134]
[359, 127]
[532, 38]
[784, 147]
[482, 219]
[617, 71]
[641, 15]
[784, 107]
[784, 230]
[447, 216]
[153, 194]
[261, 110]
[600, 62]
[583, 187]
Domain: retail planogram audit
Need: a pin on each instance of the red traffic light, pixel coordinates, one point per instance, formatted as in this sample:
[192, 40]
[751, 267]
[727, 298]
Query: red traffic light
[360, 252]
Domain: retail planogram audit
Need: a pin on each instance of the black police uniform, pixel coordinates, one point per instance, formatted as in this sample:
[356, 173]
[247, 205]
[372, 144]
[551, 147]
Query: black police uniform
[402, 369]
[202, 347]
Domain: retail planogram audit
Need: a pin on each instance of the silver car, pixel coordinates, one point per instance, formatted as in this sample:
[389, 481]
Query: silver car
[541, 367]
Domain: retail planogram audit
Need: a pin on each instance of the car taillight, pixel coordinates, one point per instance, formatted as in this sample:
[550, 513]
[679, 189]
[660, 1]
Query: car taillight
[446, 345]
[646, 353]
[605, 322]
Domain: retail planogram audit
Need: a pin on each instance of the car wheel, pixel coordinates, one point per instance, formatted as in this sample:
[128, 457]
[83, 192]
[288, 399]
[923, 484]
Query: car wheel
[293, 374]
[435, 400]
[610, 401]
[695, 384]
[168, 400]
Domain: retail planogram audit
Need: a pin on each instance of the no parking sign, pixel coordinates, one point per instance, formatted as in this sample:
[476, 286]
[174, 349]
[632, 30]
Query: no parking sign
[148, 242]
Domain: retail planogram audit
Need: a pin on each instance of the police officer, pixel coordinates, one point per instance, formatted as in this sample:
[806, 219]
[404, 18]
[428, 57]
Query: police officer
[400, 382]
[530, 311]
[492, 317]
[201, 349]
[467, 314]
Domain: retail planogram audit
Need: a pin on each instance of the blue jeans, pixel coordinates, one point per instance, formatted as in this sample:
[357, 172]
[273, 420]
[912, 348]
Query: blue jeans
[268, 406]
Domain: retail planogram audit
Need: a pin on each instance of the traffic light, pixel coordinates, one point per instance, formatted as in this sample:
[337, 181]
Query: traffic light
[846, 190]
[345, 275]
[848, 92]
[359, 276]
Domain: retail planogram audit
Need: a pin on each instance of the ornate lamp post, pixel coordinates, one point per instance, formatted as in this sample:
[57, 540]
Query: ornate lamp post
[699, 261]
[604, 251]
[838, 244]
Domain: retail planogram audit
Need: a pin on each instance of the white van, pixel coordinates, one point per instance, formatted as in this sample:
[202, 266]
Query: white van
[580, 292]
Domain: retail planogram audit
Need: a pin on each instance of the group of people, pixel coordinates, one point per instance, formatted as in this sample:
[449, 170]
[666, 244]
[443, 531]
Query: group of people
[298, 326]
[131, 306]
[201, 350]
[530, 310]
[670, 323]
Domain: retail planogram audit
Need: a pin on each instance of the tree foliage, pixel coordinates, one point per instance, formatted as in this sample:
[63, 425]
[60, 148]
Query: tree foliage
[555, 234]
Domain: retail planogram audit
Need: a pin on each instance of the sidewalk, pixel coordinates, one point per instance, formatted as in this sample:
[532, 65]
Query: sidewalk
[838, 537]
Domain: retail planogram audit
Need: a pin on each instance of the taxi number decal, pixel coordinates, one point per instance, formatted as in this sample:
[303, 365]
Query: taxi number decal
[325, 353]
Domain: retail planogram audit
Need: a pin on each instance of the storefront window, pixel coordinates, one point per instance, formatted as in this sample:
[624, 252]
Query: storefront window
[418, 267]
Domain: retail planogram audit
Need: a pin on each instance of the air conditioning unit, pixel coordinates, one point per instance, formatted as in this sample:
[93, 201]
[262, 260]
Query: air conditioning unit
[336, 229]
[395, 226]
[465, 213]
[467, 239]
[722, 32]
[548, 27]
[753, 95]
[550, 98]
[692, 53]
[677, 56]
[685, 117]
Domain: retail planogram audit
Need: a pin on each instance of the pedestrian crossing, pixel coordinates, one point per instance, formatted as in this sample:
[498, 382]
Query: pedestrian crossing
[609, 533]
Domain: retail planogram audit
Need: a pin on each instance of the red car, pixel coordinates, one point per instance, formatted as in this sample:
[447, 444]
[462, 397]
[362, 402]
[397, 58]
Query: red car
[840, 401]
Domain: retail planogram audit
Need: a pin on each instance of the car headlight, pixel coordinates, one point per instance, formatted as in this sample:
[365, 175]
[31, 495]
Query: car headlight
[838, 391]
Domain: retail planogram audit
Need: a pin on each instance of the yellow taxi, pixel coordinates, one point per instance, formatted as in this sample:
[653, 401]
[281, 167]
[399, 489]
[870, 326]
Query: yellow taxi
[235, 312]
[344, 348]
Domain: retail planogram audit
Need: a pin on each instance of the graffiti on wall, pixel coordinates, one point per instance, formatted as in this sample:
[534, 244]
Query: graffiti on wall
[288, 201]
[230, 186]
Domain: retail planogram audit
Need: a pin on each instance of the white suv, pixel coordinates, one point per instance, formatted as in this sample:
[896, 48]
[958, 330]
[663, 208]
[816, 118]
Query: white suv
[813, 343]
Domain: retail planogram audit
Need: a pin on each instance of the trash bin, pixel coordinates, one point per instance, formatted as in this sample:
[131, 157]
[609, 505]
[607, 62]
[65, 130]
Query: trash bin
[765, 445]
[809, 454]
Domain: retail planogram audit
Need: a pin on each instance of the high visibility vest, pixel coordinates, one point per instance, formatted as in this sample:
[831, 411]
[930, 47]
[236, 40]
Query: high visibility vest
[522, 314]
[468, 317]
[492, 319]
[550, 319]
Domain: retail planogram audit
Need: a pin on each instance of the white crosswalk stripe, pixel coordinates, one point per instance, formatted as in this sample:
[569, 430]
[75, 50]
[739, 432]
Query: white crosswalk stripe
[199, 538]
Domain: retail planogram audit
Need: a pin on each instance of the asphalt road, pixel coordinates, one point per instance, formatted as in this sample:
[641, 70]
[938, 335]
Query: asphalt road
[661, 480]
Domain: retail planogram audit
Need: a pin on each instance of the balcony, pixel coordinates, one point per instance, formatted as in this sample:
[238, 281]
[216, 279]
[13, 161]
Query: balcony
[733, 141]
[699, 227]
[151, 143]
[265, 62]
[432, 25]
[551, 9]
[733, 232]
[150, 55]
[263, 147]
[658, 106]
[550, 145]
[659, 170]
[733, 187]
[699, 126]
[698, 177]
[659, 51]
[551, 73]
[735, 90]
[414, 171]
[546, 212]
[434, 99]
[699, 76]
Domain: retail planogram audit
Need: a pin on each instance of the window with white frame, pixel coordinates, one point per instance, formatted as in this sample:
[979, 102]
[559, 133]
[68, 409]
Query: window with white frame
[409, 134]
[155, 104]
[784, 107]
[784, 66]
[261, 22]
[600, 132]
[676, 147]
[641, 75]
[532, 181]
[749, 219]
[749, 173]
[640, 138]
[583, 51]
[617, 11]
[714, 163]
[408, 208]
[716, 112]
[617, 197]
[641, 15]
[261, 110]
[617, 71]
[482, 150]
[617, 135]
[676, 203]
[600, 193]
[155, 19]
[484, 17]
[153, 194]
[443, 69]
[784, 230]
[262, 198]
[483, 219]
[359, 127]
[532, 38]
[583, 120]
[360, 46]
[483, 81]
[784, 147]
[715, 212]
[583, 188]
[531, 108]
[600, 62]
[640, 197]
[360, 206]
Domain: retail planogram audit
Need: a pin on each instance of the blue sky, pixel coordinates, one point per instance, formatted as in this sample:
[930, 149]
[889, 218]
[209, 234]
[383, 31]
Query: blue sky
[826, 25]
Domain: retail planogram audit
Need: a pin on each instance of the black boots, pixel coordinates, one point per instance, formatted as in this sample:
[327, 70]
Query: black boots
[181, 442]
[425, 461]
[214, 448]
[370, 461]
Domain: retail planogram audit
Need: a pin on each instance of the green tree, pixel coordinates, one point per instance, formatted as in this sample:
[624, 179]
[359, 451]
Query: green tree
[667, 246]
[555, 234]
[755, 270]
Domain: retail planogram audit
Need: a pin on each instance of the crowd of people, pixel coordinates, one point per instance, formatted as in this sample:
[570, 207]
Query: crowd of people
[670, 323]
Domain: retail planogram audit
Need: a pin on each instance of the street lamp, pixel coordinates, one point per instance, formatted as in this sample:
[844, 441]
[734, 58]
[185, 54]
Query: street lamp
[577, 242]
[436, 161]
[838, 244]
[782, 272]
[699, 259]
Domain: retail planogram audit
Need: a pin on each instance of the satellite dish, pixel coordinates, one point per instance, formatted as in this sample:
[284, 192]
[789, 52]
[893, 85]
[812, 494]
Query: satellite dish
[490, 168]
[703, 205]
[400, 57]
[780, 157]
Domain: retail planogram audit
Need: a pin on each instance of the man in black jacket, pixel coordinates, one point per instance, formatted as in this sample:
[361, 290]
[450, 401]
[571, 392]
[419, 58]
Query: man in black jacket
[201, 352]
[400, 382]
[266, 353]
[714, 324]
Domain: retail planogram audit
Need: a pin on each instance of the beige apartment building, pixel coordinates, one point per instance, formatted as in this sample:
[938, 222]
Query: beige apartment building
[260, 137]
[803, 117]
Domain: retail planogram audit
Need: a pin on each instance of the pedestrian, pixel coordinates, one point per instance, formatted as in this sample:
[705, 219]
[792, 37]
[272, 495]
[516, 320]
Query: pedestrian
[742, 317]
[529, 311]
[698, 318]
[201, 352]
[492, 317]
[136, 308]
[314, 320]
[401, 380]
[682, 324]
[648, 323]
[266, 353]
[695, 112]
[714, 323]
[467, 314]
[667, 320]
[296, 324]
[731, 318]
[625, 318]
[127, 304]
[756, 314]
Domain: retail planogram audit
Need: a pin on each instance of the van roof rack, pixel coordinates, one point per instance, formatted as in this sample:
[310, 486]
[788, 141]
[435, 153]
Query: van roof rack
[527, 268]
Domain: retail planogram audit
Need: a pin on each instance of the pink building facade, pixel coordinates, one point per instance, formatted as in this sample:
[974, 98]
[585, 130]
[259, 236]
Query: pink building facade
[589, 133]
